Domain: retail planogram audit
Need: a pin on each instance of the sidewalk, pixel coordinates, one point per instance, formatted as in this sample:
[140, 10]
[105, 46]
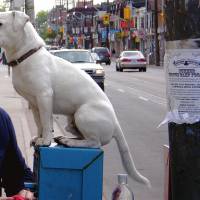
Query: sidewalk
[16, 106]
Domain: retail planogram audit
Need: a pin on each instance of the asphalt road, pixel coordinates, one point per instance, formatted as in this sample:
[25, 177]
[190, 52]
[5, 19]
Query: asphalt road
[140, 104]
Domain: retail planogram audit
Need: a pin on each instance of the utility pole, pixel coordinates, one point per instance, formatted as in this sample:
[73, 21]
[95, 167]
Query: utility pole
[157, 49]
[16, 4]
[92, 27]
[11, 5]
[182, 64]
[84, 24]
[30, 11]
[107, 27]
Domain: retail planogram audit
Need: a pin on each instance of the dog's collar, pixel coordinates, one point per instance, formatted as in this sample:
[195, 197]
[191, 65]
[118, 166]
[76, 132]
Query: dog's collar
[22, 58]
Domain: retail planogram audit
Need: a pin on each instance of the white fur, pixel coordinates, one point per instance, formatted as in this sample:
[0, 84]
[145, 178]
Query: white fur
[53, 85]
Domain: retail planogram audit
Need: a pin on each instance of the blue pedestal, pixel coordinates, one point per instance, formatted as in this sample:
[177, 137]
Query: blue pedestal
[69, 173]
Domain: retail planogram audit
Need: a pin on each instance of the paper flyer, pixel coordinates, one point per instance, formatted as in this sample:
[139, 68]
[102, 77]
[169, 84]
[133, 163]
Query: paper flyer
[183, 85]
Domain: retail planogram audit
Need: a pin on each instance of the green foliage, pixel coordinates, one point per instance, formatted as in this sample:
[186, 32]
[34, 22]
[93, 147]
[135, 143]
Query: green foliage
[2, 8]
[51, 35]
[42, 25]
[41, 18]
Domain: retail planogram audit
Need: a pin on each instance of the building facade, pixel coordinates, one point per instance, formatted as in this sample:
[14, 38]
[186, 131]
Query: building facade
[130, 25]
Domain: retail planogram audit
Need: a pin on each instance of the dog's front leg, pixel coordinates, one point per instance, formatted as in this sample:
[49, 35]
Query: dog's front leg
[36, 117]
[45, 106]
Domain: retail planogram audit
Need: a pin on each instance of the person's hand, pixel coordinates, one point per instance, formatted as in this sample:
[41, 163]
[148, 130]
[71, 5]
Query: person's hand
[26, 194]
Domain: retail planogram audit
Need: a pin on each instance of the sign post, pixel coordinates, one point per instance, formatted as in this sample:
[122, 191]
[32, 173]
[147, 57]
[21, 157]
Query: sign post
[182, 64]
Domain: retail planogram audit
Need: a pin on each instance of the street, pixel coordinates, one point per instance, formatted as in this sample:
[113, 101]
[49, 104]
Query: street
[140, 104]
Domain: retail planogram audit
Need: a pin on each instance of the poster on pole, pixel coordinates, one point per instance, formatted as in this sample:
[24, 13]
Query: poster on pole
[183, 85]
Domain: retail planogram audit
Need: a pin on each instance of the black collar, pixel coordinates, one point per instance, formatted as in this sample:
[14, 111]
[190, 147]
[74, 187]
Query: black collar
[23, 57]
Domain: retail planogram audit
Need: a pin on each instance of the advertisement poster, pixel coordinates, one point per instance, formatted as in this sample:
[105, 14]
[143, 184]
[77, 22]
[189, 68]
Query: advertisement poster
[183, 85]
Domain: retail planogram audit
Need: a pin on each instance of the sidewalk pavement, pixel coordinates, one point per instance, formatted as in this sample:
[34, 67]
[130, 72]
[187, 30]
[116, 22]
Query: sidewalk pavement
[21, 116]
[16, 107]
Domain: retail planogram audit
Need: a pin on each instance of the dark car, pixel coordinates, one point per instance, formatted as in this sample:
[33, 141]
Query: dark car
[103, 53]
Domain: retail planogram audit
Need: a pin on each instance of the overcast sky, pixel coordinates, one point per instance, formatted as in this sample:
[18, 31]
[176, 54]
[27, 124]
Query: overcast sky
[43, 5]
[48, 4]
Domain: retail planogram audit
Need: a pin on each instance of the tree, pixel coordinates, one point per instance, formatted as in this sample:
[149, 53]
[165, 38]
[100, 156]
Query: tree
[41, 18]
[2, 8]
[41, 23]
[42, 26]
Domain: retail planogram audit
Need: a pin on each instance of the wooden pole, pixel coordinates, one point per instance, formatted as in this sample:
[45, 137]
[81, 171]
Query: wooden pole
[30, 11]
[182, 63]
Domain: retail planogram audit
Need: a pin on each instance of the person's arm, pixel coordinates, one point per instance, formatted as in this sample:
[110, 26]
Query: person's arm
[14, 171]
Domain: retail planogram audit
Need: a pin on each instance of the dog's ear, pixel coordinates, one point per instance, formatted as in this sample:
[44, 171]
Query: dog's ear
[19, 20]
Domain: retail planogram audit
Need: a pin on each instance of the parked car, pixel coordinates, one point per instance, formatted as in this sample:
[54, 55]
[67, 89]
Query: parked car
[103, 53]
[49, 47]
[131, 60]
[83, 59]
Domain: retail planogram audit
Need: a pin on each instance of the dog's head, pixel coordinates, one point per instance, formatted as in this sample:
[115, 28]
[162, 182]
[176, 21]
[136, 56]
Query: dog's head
[11, 23]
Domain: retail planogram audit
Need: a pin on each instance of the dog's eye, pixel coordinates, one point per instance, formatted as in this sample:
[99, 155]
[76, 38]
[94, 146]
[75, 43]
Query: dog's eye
[1, 24]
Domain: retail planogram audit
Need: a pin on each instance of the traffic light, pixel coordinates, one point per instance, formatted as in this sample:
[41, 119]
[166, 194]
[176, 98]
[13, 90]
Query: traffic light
[106, 19]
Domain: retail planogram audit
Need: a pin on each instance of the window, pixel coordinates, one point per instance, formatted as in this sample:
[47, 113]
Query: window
[75, 56]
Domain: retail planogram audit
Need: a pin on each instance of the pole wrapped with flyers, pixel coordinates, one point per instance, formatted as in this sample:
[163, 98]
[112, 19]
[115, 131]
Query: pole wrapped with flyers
[182, 66]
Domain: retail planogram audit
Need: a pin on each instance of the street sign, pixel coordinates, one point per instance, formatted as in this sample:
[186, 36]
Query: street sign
[132, 23]
[127, 13]
[123, 24]
[62, 29]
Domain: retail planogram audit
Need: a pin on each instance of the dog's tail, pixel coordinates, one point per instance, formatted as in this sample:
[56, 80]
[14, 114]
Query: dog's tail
[127, 159]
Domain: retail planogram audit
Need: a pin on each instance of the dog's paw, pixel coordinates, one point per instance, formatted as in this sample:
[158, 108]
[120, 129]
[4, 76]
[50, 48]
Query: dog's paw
[33, 141]
[37, 141]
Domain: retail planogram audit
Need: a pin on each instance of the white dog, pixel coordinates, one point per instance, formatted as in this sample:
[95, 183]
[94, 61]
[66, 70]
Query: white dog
[53, 85]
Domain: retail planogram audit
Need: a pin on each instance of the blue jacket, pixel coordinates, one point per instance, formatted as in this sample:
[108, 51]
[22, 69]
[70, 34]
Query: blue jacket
[13, 169]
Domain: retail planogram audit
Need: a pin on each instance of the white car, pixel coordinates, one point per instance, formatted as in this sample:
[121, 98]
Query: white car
[84, 60]
[131, 60]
